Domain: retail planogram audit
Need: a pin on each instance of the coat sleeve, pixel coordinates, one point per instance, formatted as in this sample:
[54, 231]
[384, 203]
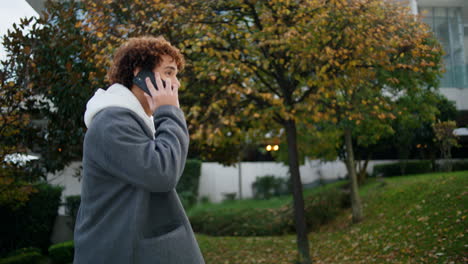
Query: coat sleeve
[129, 154]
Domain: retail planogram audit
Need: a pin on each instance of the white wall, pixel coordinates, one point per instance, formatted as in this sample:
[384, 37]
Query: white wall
[67, 179]
[216, 179]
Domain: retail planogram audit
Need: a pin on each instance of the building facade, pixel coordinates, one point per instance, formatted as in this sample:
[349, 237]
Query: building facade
[449, 21]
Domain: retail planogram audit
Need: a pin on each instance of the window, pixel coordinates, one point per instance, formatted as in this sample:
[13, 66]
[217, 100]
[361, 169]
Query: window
[447, 24]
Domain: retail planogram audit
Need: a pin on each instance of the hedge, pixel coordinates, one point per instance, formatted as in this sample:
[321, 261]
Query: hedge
[268, 186]
[30, 225]
[30, 255]
[320, 208]
[394, 169]
[187, 187]
[62, 253]
[72, 204]
[460, 165]
[24, 258]
[414, 167]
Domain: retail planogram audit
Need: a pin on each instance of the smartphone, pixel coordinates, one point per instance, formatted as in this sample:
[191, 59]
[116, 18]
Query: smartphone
[139, 80]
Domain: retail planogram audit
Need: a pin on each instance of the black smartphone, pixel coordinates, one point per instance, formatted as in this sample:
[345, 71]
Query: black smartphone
[139, 80]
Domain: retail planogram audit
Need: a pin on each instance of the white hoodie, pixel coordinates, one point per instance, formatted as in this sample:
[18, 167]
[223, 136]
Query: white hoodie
[116, 95]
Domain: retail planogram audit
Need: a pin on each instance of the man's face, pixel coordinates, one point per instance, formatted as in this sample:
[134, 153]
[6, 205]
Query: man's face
[167, 69]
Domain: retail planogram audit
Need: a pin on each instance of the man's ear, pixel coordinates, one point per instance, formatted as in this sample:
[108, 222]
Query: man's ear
[136, 71]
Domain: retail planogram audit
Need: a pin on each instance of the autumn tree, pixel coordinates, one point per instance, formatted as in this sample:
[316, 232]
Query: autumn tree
[15, 187]
[345, 62]
[60, 74]
[401, 132]
[365, 55]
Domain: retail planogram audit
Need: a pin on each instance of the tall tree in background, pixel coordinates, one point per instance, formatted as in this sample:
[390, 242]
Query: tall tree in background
[342, 61]
[365, 55]
[420, 109]
[65, 75]
[14, 88]
[60, 76]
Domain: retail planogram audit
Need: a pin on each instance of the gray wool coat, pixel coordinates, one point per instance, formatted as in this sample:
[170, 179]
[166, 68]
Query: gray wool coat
[130, 211]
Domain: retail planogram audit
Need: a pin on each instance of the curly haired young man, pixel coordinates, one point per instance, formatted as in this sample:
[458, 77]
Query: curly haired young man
[134, 153]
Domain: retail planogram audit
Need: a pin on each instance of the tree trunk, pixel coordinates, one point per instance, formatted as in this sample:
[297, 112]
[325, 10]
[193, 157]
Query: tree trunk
[299, 212]
[363, 171]
[432, 157]
[448, 159]
[355, 200]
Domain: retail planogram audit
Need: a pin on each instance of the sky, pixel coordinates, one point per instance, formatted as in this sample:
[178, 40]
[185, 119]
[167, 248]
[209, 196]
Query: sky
[11, 11]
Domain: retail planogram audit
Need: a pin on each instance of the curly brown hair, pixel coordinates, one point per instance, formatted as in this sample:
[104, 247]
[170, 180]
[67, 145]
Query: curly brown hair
[144, 52]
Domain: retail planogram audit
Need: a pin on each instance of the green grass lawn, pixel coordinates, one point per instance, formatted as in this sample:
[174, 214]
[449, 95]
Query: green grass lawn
[411, 219]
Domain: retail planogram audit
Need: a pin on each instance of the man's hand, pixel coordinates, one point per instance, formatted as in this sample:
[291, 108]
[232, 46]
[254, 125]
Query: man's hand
[165, 95]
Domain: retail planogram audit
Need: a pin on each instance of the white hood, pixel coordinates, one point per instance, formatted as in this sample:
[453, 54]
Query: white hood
[116, 95]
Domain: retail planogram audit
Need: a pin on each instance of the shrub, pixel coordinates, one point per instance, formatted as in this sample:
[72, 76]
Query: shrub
[457, 165]
[29, 255]
[394, 169]
[31, 224]
[320, 208]
[24, 250]
[62, 253]
[325, 206]
[230, 196]
[240, 222]
[23, 258]
[204, 199]
[72, 204]
[269, 186]
[187, 187]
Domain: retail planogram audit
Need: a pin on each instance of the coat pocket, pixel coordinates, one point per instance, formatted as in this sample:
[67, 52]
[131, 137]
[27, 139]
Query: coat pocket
[173, 247]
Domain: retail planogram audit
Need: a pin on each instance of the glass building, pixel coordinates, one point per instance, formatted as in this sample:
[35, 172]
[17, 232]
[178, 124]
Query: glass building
[451, 29]
[449, 21]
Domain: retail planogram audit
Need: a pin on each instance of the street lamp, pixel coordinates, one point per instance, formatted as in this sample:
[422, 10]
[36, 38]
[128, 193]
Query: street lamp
[274, 148]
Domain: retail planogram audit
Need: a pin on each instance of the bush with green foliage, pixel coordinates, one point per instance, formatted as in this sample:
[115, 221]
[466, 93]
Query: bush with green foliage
[460, 165]
[24, 250]
[187, 187]
[229, 196]
[72, 204]
[29, 255]
[30, 225]
[394, 169]
[226, 221]
[240, 222]
[24, 258]
[269, 186]
[414, 167]
[62, 253]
